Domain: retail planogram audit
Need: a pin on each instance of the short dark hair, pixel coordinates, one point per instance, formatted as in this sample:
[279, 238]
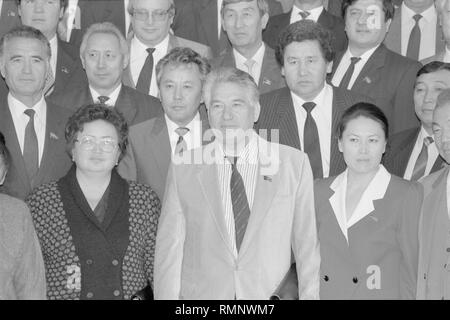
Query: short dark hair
[90, 113]
[62, 3]
[4, 152]
[433, 67]
[388, 8]
[366, 110]
[27, 33]
[301, 31]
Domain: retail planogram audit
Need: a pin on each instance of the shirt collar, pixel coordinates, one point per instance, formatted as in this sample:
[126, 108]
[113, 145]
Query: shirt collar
[422, 135]
[314, 13]
[247, 155]
[429, 14]
[318, 100]
[18, 108]
[364, 57]
[112, 96]
[257, 57]
[172, 126]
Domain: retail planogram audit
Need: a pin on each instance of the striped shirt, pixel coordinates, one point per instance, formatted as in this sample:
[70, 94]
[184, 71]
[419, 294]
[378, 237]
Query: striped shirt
[247, 165]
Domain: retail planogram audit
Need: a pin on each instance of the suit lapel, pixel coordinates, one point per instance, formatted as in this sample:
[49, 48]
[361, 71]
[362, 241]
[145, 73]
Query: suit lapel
[336, 159]
[159, 140]
[208, 14]
[438, 164]
[64, 68]
[208, 180]
[336, 62]
[125, 105]
[394, 36]
[127, 78]
[404, 152]
[369, 71]
[287, 120]
[228, 59]
[269, 68]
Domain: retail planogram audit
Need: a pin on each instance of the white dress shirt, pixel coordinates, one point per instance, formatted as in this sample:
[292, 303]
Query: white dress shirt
[20, 120]
[322, 115]
[193, 137]
[127, 16]
[433, 153]
[1, 6]
[428, 25]
[112, 96]
[345, 63]
[257, 66]
[138, 54]
[314, 14]
[447, 55]
[54, 57]
[71, 10]
[374, 191]
[219, 18]
[247, 165]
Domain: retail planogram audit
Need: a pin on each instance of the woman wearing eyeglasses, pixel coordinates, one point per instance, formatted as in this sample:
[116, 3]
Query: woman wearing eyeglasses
[97, 231]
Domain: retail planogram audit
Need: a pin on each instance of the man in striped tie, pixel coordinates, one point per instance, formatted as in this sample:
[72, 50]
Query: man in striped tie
[238, 210]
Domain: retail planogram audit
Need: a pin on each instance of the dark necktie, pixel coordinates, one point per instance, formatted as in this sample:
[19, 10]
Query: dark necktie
[103, 99]
[143, 83]
[311, 142]
[181, 143]
[241, 209]
[349, 73]
[422, 159]
[304, 14]
[30, 147]
[414, 40]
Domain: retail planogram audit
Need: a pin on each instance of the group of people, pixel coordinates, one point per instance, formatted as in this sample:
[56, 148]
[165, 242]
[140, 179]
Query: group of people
[233, 149]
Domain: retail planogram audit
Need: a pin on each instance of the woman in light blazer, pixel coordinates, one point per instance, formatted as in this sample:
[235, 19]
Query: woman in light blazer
[367, 219]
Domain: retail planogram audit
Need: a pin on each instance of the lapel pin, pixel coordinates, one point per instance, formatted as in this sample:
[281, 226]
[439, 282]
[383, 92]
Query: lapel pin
[267, 82]
[53, 136]
[65, 70]
[11, 14]
[367, 80]
[267, 178]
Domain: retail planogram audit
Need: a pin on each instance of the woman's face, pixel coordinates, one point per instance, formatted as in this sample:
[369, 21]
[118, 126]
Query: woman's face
[96, 149]
[362, 143]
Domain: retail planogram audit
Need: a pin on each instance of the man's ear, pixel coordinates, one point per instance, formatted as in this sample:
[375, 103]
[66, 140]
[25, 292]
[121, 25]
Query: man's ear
[264, 20]
[126, 60]
[256, 111]
[329, 67]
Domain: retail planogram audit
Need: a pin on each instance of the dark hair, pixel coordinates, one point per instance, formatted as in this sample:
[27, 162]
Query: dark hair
[90, 113]
[27, 33]
[366, 110]
[301, 31]
[388, 8]
[433, 67]
[4, 153]
[62, 3]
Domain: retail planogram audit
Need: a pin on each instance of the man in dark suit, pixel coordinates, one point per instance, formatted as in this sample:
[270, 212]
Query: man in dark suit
[244, 21]
[105, 55]
[312, 10]
[33, 127]
[412, 153]
[307, 112]
[152, 143]
[443, 8]
[9, 17]
[65, 66]
[369, 68]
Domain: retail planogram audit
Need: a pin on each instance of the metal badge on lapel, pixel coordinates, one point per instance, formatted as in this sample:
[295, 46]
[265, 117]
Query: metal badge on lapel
[11, 14]
[65, 70]
[367, 80]
[53, 136]
[267, 82]
[267, 178]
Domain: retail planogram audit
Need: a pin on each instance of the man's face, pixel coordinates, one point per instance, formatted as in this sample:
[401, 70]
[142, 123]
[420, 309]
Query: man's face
[444, 17]
[244, 24]
[427, 89]
[180, 91]
[231, 111]
[151, 20]
[305, 68]
[365, 24]
[43, 15]
[104, 62]
[441, 130]
[417, 5]
[24, 66]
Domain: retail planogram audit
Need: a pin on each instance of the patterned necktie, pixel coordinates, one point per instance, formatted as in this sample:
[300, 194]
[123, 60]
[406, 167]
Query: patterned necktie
[422, 159]
[49, 82]
[181, 145]
[349, 73]
[311, 142]
[414, 40]
[249, 64]
[103, 99]
[143, 83]
[304, 14]
[241, 209]
[30, 147]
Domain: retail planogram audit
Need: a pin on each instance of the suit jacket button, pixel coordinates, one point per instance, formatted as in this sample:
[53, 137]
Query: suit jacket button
[116, 293]
[115, 262]
[326, 278]
[355, 280]
[89, 295]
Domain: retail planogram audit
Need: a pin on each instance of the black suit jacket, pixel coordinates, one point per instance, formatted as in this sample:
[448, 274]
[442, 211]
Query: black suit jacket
[9, 17]
[55, 161]
[388, 78]
[335, 24]
[399, 150]
[277, 112]
[135, 106]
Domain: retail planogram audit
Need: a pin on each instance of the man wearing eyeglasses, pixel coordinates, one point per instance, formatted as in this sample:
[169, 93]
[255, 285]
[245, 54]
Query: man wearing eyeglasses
[33, 127]
[151, 40]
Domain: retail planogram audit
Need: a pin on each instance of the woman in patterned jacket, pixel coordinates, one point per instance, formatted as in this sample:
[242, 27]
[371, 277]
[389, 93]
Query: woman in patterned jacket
[97, 231]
